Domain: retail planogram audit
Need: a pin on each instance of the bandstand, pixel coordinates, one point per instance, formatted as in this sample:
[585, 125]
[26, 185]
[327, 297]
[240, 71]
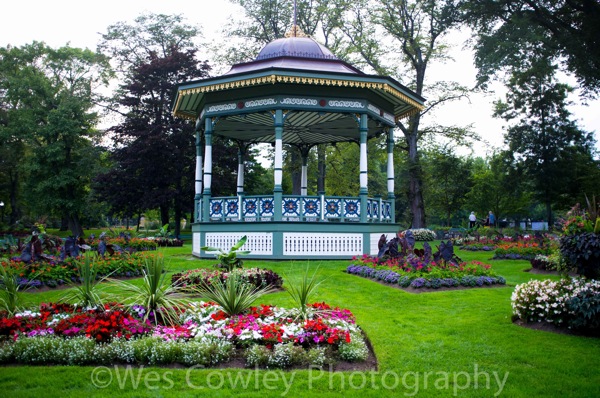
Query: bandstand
[295, 92]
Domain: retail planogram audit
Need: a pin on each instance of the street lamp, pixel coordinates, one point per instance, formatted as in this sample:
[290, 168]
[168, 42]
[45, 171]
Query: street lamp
[2, 209]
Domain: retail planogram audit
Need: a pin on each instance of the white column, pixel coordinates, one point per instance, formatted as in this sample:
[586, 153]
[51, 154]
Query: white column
[390, 162]
[304, 175]
[240, 176]
[207, 169]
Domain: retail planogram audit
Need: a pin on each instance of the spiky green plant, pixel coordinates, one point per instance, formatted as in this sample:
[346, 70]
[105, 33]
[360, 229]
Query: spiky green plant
[233, 295]
[229, 260]
[87, 291]
[303, 290]
[10, 300]
[156, 293]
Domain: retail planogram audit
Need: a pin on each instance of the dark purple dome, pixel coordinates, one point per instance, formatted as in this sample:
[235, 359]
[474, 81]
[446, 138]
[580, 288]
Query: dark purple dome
[302, 47]
[302, 53]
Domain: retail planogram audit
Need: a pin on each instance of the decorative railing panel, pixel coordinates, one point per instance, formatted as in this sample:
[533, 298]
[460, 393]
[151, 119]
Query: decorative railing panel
[258, 243]
[326, 244]
[295, 208]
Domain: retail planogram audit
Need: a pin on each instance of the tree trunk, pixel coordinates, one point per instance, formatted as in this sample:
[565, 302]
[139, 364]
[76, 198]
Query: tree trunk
[75, 225]
[64, 224]
[321, 167]
[14, 209]
[164, 215]
[415, 174]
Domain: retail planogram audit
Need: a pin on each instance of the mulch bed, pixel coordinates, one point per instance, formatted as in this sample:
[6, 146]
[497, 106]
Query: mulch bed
[553, 328]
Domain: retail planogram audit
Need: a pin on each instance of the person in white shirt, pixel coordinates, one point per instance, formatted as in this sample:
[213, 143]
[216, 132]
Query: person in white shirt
[472, 219]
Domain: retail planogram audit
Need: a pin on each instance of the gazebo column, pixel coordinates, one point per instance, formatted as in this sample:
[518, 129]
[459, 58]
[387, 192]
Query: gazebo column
[208, 130]
[363, 129]
[278, 166]
[198, 182]
[240, 176]
[304, 172]
[390, 175]
[240, 179]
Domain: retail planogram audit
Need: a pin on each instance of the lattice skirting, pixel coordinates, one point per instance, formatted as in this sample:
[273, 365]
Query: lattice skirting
[259, 243]
[323, 244]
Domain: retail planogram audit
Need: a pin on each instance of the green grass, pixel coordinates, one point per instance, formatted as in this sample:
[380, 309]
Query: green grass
[427, 345]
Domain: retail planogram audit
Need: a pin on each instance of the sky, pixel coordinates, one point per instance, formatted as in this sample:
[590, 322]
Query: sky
[81, 23]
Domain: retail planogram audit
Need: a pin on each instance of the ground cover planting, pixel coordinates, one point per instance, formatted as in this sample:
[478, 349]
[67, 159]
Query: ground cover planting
[427, 345]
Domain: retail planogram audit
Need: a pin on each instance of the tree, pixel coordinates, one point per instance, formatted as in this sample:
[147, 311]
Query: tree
[568, 29]
[448, 179]
[49, 100]
[543, 139]
[415, 30]
[500, 187]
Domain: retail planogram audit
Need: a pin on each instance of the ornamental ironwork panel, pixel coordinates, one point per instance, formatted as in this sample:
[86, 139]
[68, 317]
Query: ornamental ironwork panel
[250, 207]
[216, 208]
[333, 208]
[351, 208]
[231, 208]
[266, 207]
[311, 207]
[291, 207]
[387, 209]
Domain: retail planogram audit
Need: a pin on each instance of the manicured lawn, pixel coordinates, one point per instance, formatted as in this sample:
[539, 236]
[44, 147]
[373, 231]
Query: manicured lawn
[445, 343]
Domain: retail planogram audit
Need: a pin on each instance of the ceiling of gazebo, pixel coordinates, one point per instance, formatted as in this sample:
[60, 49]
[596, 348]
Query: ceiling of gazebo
[300, 128]
[301, 72]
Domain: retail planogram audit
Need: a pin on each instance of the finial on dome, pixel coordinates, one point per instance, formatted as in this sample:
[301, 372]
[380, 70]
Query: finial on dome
[295, 31]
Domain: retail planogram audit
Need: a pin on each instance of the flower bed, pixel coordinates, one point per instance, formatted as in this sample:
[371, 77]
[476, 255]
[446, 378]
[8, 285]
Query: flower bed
[521, 250]
[128, 244]
[54, 273]
[255, 276]
[572, 303]
[266, 336]
[423, 234]
[417, 274]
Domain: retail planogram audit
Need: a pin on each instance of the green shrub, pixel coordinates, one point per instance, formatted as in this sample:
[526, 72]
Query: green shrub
[584, 310]
[582, 252]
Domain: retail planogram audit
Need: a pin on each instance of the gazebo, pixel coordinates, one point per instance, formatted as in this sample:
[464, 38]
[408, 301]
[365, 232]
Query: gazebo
[295, 92]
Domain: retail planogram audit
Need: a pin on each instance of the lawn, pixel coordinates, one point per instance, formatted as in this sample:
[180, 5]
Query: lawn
[444, 343]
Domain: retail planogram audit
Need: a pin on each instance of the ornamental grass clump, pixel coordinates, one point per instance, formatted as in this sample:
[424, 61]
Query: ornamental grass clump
[86, 293]
[10, 300]
[302, 291]
[233, 295]
[162, 301]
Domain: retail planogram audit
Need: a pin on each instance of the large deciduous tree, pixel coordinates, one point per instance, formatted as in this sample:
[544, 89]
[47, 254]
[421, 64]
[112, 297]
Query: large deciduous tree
[154, 152]
[413, 33]
[568, 29]
[543, 139]
[48, 98]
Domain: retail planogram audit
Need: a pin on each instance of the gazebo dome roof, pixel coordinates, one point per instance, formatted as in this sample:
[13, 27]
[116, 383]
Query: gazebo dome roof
[303, 47]
[295, 51]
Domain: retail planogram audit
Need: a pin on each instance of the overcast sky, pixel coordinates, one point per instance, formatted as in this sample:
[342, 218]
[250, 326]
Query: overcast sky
[80, 23]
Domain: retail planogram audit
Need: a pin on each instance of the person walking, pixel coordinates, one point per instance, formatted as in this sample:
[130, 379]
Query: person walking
[491, 219]
[472, 219]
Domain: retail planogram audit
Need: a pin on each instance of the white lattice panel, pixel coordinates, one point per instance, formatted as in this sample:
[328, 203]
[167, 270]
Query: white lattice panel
[196, 242]
[322, 244]
[257, 243]
[374, 240]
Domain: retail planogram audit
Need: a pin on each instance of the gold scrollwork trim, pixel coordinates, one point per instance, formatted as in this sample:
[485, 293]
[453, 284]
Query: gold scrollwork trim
[272, 79]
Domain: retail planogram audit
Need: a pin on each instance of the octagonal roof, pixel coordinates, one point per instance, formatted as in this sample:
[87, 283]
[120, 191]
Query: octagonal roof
[297, 74]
